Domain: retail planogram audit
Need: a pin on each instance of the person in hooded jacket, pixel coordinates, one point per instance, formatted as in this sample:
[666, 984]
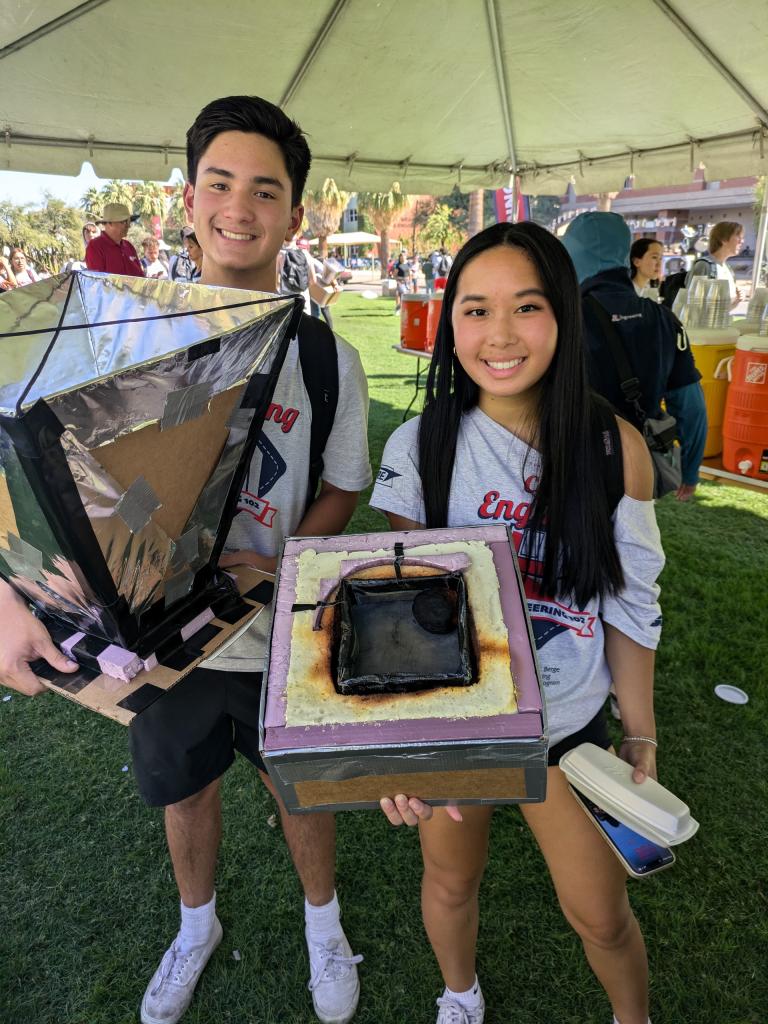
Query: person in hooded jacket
[656, 345]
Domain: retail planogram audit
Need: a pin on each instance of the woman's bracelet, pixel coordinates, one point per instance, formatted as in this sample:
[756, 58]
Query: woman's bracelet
[641, 739]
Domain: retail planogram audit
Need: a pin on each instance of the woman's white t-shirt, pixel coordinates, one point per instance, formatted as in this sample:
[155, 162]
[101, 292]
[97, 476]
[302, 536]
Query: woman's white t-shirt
[494, 480]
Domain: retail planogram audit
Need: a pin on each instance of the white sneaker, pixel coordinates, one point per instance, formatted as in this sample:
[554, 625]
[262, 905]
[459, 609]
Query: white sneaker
[170, 991]
[333, 980]
[452, 1012]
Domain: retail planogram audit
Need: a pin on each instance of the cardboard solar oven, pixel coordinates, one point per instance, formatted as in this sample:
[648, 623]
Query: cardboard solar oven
[129, 411]
[403, 662]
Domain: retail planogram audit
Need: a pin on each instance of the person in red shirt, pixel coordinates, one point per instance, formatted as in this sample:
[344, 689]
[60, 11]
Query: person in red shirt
[111, 252]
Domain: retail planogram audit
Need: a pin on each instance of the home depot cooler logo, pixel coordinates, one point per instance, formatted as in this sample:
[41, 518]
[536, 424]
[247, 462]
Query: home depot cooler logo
[755, 373]
[272, 469]
[549, 618]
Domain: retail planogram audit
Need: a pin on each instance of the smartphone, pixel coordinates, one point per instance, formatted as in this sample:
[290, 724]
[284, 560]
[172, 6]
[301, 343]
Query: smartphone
[639, 855]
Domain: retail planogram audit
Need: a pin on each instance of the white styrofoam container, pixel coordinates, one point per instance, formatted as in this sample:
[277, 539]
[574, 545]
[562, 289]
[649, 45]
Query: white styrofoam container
[646, 807]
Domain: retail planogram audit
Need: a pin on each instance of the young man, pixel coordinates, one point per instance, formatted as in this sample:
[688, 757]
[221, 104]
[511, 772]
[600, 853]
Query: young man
[247, 166]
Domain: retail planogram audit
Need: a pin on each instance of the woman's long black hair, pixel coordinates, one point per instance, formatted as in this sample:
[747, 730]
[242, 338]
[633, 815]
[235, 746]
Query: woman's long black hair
[571, 506]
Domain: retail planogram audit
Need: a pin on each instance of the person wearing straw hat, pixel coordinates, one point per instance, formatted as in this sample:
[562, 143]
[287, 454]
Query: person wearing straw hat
[111, 252]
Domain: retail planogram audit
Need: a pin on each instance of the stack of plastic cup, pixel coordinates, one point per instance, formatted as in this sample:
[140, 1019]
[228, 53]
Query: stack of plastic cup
[717, 306]
[753, 323]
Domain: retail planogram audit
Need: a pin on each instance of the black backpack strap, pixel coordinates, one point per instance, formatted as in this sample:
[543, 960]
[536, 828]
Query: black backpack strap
[610, 451]
[628, 379]
[320, 370]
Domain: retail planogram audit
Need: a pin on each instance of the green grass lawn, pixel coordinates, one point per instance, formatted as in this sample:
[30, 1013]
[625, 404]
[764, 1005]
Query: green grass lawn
[87, 899]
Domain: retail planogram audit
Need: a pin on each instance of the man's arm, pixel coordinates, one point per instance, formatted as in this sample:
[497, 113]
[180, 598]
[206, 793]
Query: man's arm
[24, 639]
[328, 515]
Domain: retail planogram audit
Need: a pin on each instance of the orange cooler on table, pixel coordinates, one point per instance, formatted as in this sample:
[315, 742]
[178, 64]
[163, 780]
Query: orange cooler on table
[745, 427]
[433, 318]
[709, 347]
[413, 321]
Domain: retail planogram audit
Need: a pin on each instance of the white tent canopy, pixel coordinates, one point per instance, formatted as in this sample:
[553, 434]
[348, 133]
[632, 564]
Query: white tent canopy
[427, 92]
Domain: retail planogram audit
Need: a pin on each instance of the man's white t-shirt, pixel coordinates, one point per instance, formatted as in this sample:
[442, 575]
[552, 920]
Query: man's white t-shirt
[272, 501]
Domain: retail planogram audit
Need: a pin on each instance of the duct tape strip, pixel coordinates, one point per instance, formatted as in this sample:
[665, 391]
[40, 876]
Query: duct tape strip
[186, 548]
[136, 506]
[240, 419]
[178, 586]
[185, 404]
[141, 698]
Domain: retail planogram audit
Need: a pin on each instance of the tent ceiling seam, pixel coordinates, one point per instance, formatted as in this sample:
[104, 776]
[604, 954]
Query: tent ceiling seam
[499, 167]
[679, 22]
[50, 26]
[492, 16]
[311, 55]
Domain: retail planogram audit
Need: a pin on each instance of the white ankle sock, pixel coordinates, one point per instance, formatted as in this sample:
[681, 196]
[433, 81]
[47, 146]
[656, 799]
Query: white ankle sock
[469, 999]
[323, 922]
[197, 924]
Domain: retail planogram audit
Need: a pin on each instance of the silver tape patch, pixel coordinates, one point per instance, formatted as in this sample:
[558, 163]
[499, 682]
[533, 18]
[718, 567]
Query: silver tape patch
[178, 586]
[185, 404]
[186, 548]
[136, 506]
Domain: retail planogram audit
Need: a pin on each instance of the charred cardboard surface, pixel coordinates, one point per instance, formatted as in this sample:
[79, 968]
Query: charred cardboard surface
[496, 759]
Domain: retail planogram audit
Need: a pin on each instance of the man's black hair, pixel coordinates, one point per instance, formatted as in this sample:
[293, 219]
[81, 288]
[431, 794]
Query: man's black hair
[251, 114]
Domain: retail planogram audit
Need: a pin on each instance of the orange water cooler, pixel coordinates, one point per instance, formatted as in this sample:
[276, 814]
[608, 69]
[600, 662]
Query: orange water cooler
[745, 425]
[710, 346]
[433, 319]
[413, 321]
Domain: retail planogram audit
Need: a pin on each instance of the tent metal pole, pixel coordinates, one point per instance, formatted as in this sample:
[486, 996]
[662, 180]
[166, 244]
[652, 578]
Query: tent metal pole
[713, 59]
[501, 77]
[50, 26]
[757, 265]
[312, 52]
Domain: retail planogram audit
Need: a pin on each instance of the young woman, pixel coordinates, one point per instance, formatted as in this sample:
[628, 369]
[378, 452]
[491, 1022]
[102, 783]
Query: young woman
[645, 263]
[22, 271]
[509, 412]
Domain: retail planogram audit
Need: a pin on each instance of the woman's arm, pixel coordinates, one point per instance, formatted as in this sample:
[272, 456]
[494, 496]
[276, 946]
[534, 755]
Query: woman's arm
[630, 663]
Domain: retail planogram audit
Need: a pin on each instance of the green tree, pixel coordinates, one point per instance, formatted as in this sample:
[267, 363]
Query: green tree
[324, 207]
[149, 200]
[49, 235]
[176, 215]
[91, 202]
[442, 229]
[382, 209]
[117, 191]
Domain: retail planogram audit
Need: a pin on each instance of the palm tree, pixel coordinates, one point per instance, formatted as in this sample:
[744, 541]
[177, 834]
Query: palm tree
[91, 202]
[149, 200]
[475, 220]
[117, 191]
[176, 215]
[382, 209]
[324, 207]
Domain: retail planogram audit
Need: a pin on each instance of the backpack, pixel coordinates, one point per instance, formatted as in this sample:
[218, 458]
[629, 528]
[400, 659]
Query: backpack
[670, 286]
[320, 369]
[443, 266]
[294, 276]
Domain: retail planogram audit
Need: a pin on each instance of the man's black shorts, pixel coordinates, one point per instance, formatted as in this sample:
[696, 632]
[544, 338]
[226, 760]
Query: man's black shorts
[188, 737]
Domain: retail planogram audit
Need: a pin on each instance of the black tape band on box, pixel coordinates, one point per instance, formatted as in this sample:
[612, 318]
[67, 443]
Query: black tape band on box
[262, 592]
[140, 699]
